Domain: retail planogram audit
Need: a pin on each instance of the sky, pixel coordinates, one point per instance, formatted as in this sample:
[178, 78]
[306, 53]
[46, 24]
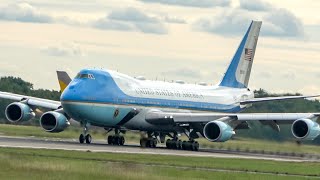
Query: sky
[190, 40]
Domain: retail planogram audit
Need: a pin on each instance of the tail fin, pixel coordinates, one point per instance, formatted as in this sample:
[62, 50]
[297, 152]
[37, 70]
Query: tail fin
[63, 79]
[238, 72]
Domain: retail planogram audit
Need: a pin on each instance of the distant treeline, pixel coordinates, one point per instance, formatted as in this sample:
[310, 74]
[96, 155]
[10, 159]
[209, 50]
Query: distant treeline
[19, 86]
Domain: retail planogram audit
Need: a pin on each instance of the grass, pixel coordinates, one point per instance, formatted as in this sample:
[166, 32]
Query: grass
[239, 144]
[58, 164]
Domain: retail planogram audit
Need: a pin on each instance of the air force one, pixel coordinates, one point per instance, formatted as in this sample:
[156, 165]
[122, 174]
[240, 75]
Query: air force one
[119, 103]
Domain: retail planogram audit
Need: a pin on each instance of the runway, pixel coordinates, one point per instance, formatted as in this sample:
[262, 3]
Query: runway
[101, 146]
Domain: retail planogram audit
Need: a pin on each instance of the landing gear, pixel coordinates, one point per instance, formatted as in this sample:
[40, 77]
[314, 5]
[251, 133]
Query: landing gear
[116, 139]
[176, 143]
[184, 145]
[84, 137]
[150, 141]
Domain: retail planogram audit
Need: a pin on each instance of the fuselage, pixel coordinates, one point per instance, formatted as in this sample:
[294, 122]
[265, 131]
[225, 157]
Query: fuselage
[105, 98]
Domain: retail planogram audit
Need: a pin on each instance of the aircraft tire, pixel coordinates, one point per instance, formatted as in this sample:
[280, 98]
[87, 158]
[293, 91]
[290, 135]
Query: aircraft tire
[195, 146]
[122, 140]
[184, 145]
[88, 138]
[110, 139]
[116, 140]
[152, 143]
[168, 143]
[81, 138]
[143, 143]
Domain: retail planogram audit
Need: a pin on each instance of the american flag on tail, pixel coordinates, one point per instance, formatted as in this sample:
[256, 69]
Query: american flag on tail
[248, 54]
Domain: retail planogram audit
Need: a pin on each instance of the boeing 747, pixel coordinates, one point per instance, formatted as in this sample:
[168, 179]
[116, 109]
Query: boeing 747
[118, 102]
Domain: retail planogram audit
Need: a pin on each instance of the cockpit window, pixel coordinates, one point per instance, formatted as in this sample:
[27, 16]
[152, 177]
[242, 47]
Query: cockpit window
[84, 76]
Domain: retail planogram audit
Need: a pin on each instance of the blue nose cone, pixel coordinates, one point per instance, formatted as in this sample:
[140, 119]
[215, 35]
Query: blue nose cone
[72, 91]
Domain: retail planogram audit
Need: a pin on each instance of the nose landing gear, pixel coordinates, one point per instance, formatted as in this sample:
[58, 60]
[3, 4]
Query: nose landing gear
[84, 137]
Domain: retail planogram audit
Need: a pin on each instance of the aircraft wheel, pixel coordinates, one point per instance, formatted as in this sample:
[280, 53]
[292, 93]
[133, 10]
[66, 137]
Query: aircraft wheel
[143, 143]
[81, 138]
[196, 146]
[155, 143]
[88, 138]
[152, 143]
[184, 145]
[110, 139]
[116, 140]
[168, 143]
[122, 140]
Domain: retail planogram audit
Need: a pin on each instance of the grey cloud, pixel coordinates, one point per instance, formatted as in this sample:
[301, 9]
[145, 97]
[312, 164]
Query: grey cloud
[228, 22]
[184, 72]
[105, 23]
[128, 19]
[278, 22]
[175, 20]
[131, 14]
[63, 50]
[283, 23]
[255, 5]
[192, 3]
[131, 19]
[23, 12]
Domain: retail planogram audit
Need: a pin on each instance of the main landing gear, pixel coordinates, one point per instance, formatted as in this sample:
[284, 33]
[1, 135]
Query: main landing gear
[84, 137]
[116, 139]
[183, 145]
[150, 141]
[176, 143]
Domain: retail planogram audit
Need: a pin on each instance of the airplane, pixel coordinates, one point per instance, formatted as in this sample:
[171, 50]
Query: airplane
[120, 103]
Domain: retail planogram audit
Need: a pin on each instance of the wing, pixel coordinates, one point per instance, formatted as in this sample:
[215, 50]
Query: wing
[236, 121]
[32, 101]
[257, 100]
[159, 117]
[202, 123]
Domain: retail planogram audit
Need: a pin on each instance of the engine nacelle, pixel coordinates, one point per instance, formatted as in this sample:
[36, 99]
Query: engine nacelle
[217, 131]
[18, 112]
[305, 129]
[53, 122]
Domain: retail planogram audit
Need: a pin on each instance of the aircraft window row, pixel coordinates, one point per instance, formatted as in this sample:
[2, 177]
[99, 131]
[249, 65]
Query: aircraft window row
[178, 104]
[84, 76]
[160, 92]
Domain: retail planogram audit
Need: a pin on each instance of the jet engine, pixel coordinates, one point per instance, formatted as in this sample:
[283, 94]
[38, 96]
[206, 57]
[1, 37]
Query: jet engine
[217, 131]
[305, 129]
[18, 112]
[53, 122]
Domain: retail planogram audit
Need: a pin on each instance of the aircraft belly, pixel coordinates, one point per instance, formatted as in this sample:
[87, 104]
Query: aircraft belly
[97, 114]
[139, 123]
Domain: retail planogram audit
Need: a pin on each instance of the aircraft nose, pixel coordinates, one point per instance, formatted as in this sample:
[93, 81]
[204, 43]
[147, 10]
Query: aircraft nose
[69, 93]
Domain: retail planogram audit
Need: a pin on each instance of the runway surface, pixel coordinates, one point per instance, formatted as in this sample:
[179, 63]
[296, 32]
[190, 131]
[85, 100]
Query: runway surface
[101, 146]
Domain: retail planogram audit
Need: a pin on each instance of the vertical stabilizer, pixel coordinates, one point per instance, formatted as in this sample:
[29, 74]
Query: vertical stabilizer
[238, 72]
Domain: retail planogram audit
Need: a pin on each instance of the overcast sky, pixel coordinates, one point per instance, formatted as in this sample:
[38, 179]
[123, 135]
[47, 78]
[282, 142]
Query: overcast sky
[191, 40]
